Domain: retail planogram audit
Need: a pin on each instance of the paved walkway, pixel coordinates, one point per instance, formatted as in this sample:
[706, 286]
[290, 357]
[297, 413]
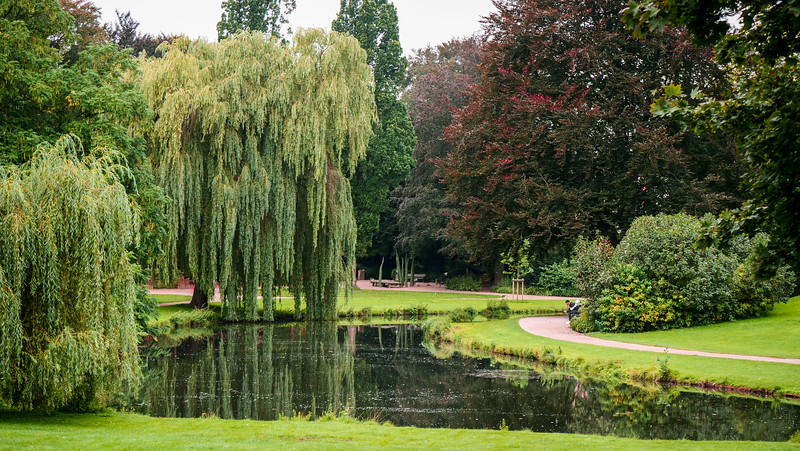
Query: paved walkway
[556, 327]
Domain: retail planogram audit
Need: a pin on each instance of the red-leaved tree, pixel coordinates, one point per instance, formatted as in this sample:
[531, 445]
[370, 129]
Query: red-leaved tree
[558, 141]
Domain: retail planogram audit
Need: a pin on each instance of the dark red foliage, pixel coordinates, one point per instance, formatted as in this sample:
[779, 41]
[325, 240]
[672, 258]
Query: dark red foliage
[557, 140]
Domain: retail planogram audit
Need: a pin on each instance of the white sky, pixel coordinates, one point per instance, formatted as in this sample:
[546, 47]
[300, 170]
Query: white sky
[422, 22]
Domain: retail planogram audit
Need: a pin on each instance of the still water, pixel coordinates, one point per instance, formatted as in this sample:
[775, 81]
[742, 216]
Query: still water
[386, 372]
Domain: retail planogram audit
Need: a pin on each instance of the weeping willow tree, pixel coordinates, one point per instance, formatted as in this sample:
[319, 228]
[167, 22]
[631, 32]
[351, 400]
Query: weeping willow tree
[252, 140]
[67, 330]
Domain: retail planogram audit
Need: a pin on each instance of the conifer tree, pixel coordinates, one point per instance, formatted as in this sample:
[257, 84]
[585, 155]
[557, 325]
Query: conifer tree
[389, 155]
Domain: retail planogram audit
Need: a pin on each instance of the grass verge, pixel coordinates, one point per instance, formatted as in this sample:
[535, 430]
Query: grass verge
[506, 337]
[131, 431]
[775, 335]
[393, 304]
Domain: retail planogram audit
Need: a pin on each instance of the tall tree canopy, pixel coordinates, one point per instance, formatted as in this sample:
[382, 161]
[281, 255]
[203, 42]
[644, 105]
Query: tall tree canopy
[86, 29]
[87, 90]
[125, 33]
[763, 113]
[558, 140]
[252, 140]
[389, 155]
[439, 81]
[67, 331]
[267, 16]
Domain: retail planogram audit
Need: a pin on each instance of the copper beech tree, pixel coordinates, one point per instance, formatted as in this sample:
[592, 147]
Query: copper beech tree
[558, 141]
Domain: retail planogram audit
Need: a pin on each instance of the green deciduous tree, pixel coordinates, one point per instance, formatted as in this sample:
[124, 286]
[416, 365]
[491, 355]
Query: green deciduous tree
[90, 94]
[67, 331]
[439, 80]
[558, 140]
[252, 140]
[763, 113]
[267, 16]
[389, 155]
[86, 29]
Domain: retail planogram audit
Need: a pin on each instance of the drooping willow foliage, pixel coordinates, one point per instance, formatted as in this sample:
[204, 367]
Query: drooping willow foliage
[252, 140]
[67, 330]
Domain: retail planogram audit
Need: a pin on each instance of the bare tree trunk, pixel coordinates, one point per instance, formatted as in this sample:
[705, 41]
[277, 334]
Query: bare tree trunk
[199, 299]
[498, 272]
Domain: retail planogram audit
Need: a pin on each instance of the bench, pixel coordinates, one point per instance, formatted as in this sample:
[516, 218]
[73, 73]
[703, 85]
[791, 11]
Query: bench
[386, 283]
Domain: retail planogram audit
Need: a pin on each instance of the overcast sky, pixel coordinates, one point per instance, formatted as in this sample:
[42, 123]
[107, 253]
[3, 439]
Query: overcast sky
[422, 22]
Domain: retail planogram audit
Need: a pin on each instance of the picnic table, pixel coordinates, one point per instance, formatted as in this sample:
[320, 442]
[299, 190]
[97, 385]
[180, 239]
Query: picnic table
[386, 283]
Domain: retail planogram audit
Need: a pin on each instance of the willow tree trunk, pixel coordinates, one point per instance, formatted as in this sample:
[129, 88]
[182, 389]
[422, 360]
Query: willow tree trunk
[199, 298]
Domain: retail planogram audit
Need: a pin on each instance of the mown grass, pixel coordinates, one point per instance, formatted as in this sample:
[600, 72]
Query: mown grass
[382, 302]
[506, 337]
[131, 431]
[168, 298]
[775, 335]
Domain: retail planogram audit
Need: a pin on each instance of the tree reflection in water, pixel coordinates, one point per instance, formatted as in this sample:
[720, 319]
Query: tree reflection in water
[266, 371]
[261, 372]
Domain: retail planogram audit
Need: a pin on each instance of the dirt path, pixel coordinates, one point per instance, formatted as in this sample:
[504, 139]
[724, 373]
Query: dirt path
[556, 327]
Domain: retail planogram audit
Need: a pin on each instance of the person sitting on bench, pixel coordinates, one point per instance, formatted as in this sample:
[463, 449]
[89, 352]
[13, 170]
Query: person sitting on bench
[573, 309]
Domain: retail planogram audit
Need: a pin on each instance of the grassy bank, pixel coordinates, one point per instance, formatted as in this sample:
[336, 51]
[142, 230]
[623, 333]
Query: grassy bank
[405, 303]
[775, 335]
[506, 337]
[132, 431]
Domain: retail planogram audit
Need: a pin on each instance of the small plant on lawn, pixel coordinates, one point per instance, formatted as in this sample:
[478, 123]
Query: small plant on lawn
[665, 373]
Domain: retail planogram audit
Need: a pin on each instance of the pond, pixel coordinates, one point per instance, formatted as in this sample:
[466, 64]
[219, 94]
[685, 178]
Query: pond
[386, 372]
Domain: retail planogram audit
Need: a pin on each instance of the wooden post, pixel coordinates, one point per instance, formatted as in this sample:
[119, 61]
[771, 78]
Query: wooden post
[517, 289]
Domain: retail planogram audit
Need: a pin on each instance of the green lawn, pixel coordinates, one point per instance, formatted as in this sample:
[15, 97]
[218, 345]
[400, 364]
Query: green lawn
[131, 431]
[508, 338]
[167, 298]
[776, 335]
[381, 301]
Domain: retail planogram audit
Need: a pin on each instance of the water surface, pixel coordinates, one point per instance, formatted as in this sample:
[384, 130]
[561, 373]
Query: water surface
[384, 372]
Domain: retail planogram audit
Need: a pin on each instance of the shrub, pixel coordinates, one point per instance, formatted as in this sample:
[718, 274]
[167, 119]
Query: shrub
[558, 279]
[756, 297]
[417, 311]
[591, 264]
[582, 324]
[504, 286]
[497, 309]
[657, 279]
[436, 327]
[463, 315]
[463, 283]
[634, 304]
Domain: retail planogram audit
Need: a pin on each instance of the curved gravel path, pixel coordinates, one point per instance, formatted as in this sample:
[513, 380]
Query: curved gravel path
[556, 327]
